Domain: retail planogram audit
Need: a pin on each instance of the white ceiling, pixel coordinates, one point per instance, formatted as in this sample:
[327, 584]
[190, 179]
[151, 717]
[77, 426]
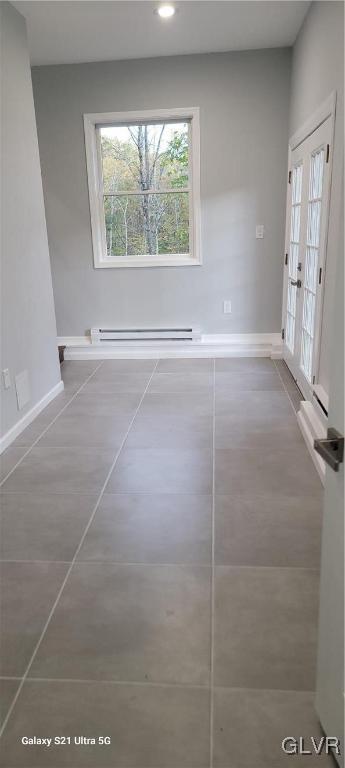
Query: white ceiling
[68, 32]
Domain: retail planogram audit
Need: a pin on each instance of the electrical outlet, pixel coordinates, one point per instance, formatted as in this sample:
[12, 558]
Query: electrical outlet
[260, 231]
[22, 389]
[6, 378]
[227, 307]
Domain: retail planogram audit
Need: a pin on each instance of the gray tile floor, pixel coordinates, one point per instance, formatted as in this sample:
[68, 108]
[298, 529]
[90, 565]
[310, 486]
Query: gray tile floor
[160, 550]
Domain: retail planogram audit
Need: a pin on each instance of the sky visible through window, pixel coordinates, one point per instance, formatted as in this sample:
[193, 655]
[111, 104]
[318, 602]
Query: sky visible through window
[121, 132]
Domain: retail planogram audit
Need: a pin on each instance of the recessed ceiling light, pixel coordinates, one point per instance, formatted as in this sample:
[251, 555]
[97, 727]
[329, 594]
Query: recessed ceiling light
[166, 11]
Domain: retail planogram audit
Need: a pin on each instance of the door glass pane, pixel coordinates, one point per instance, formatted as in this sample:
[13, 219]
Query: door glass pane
[296, 198]
[311, 262]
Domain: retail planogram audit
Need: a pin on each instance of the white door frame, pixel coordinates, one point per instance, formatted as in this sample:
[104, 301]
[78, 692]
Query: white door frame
[326, 110]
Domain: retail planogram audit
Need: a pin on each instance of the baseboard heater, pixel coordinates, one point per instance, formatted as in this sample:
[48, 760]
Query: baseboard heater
[116, 335]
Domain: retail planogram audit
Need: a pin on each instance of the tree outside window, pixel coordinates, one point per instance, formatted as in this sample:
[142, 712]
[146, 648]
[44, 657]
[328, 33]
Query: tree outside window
[145, 185]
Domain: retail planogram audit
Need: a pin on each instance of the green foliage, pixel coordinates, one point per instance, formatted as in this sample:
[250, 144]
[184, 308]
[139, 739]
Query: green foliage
[175, 160]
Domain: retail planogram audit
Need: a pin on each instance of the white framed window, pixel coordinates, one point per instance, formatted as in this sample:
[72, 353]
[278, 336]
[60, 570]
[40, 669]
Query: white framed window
[144, 187]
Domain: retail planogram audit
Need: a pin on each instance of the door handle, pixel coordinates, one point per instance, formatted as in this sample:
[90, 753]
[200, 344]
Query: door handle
[296, 282]
[331, 448]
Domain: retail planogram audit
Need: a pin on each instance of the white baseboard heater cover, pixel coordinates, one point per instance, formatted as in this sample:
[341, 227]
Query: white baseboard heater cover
[116, 335]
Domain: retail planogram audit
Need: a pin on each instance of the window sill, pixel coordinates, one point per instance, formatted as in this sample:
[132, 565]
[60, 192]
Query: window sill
[144, 261]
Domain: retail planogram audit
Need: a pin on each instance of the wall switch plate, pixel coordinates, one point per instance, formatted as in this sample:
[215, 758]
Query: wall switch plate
[227, 307]
[6, 378]
[22, 389]
[260, 231]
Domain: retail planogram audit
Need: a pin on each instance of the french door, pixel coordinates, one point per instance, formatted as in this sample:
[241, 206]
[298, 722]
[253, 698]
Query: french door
[306, 240]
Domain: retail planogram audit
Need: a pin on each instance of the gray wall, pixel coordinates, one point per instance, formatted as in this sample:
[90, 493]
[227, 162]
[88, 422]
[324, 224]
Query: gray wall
[28, 317]
[317, 70]
[243, 98]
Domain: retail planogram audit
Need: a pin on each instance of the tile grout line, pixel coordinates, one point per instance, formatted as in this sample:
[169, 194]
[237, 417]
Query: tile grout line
[121, 493]
[146, 684]
[212, 565]
[50, 424]
[6, 560]
[51, 613]
[151, 684]
[143, 564]
[116, 562]
[120, 683]
[112, 493]
[285, 388]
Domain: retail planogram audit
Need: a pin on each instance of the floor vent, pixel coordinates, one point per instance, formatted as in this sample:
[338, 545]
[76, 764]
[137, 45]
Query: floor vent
[116, 335]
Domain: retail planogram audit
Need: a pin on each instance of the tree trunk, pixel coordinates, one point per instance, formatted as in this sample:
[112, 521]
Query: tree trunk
[112, 208]
[144, 169]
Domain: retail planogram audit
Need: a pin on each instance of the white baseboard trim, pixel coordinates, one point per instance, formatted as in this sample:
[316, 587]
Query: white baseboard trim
[210, 345]
[19, 427]
[312, 428]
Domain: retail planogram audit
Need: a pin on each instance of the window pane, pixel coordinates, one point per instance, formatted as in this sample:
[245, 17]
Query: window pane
[147, 224]
[295, 226]
[143, 157]
[314, 217]
[316, 175]
[297, 184]
[291, 300]
[306, 355]
[295, 223]
[290, 331]
[311, 268]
